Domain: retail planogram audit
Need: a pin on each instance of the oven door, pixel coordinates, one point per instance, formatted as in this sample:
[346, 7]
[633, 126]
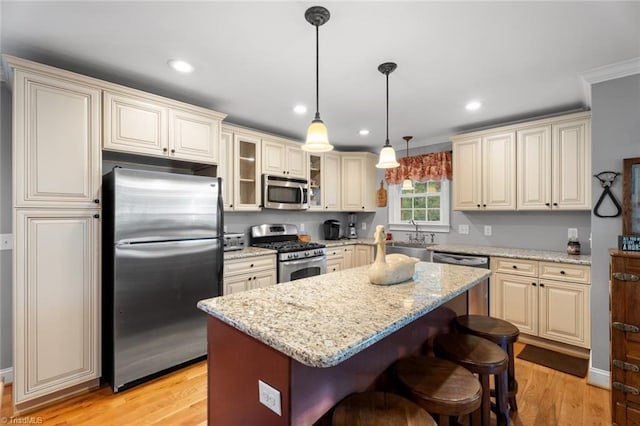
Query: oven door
[291, 270]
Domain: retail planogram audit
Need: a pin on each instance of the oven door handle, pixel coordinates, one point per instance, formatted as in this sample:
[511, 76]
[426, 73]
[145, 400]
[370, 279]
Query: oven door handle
[305, 260]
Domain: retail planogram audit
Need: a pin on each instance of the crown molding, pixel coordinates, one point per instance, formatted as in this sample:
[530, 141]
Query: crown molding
[608, 72]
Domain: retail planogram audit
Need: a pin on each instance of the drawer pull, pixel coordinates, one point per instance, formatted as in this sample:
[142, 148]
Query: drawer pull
[562, 272]
[623, 276]
[625, 388]
[514, 267]
[625, 327]
[625, 365]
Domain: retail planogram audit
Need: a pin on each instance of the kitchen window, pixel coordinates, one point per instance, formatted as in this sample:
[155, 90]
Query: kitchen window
[427, 205]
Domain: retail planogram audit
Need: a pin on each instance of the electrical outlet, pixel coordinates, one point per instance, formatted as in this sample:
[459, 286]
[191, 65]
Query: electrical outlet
[572, 233]
[6, 242]
[487, 230]
[463, 229]
[364, 226]
[302, 227]
[269, 397]
[225, 229]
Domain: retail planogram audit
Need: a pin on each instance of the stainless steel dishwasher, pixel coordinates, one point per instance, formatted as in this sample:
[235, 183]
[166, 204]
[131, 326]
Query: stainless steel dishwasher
[478, 296]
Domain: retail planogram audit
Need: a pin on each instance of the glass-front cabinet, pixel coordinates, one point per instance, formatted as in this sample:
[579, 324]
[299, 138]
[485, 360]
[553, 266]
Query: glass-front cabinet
[315, 181]
[246, 172]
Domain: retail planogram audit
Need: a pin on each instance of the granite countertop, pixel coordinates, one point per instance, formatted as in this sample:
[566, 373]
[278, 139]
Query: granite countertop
[323, 320]
[544, 255]
[346, 242]
[247, 252]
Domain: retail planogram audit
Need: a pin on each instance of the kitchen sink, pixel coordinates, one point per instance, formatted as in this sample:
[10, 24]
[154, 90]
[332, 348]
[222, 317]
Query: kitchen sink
[418, 250]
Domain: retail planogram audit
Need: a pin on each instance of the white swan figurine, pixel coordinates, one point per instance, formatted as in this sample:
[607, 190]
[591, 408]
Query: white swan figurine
[390, 269]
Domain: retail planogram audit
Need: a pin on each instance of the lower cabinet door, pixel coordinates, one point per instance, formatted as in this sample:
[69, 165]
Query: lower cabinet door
[516, 301]
[57, 301]
[564, 309]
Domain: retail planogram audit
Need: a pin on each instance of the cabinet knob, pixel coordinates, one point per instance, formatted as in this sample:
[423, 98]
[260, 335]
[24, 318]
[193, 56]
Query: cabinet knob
[533, 284]
[96, 200]
[541, 285]
[164, 149]
[547, 204]
[173, 151]
[478, 205]
[97, 216]
[251, 266]
[555, 204]
[562, 272]
[514, 266]
[326, 207]
[484, 205]
[362, 207]
[284, 172]
[249, 279]
[230, 205]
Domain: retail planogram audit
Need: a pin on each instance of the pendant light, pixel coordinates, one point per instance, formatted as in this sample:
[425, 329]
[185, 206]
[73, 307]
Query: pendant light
[317, 138]
[407, 184]
[387, 154]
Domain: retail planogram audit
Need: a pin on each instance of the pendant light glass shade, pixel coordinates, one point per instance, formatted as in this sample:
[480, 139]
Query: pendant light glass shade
[407, 185]
[317, 137]
[387, 158]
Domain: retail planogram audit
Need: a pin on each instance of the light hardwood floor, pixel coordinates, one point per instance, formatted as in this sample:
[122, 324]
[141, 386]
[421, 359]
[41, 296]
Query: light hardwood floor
[545, 398]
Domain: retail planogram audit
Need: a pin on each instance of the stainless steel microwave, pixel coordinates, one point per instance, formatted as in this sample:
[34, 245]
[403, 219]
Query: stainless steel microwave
[284, 193]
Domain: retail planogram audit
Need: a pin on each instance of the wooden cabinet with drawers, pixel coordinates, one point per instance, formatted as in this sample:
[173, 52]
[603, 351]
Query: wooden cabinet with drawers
[248, 273]
[625, 337]
[543, 299]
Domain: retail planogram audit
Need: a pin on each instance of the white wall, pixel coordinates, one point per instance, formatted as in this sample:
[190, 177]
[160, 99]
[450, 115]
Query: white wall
[616, 135]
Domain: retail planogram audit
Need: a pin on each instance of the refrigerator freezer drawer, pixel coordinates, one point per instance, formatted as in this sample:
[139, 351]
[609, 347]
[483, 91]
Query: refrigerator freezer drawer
[155, 322]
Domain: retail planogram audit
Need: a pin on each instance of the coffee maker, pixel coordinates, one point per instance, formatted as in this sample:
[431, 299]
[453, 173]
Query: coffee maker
[351, 233]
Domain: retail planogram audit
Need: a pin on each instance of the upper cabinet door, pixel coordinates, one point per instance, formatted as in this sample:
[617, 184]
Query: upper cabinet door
[296, 161]
[499, 171]
[193, 137]
[331, 182]
[274, 160]
[56, 142]
[534, 168]
[225, 169]
[134, 125]
[572, 165]
[467, 174]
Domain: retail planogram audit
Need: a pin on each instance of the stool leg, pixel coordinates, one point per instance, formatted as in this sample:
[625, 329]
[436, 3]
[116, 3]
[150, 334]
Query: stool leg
[513, 404]
[502, 398]
[486, 399]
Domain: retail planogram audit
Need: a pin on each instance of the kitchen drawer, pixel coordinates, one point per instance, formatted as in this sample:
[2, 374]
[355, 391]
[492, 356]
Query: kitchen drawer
[565, 272]
[246, 265]
[526, 268]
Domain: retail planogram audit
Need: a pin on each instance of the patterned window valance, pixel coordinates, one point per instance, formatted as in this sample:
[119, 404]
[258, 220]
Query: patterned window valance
[421, 168]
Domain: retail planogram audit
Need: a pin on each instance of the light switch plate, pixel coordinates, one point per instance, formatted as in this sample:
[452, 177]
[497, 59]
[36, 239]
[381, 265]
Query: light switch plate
[364, 226]
[487, 230]
[463, 229]
[301, 227]
[269, 397]
[6, 241]
[572, 233]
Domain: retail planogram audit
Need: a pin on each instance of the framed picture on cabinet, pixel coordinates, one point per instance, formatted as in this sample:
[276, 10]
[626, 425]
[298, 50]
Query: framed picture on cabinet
[631, 197]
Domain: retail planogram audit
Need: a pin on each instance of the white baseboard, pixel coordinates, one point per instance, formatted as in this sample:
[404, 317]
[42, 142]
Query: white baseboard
[7, 375]
[598, 377]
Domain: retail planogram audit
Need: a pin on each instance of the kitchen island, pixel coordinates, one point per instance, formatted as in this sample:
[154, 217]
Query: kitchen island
[318, 339]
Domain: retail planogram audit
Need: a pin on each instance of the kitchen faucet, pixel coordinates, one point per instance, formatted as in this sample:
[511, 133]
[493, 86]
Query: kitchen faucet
[418, 238]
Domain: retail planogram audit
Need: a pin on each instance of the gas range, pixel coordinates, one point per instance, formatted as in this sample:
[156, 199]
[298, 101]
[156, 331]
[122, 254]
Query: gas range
[296, 259]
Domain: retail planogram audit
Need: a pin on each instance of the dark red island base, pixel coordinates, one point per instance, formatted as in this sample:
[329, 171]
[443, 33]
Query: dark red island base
[237, 361]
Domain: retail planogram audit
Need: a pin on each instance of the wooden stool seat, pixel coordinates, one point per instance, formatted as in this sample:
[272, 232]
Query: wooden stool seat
[500, 332]
[379, 409]
[439, 386]
[484, 358]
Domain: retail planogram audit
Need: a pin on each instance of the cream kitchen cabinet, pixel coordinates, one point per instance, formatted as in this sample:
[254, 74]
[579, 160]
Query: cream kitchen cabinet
[324, 181]
[339, 258]
[57, 310]
[554, 165]
[283, 158]
[358, 181]
[363, 255]
[248, 273]
[145, 124]
[545, 299]
[484, 172]
[55, 165]
[56, 226]
[242, 184]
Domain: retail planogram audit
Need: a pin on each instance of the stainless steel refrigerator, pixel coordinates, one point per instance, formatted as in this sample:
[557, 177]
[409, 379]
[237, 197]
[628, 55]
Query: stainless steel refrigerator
[162, 253]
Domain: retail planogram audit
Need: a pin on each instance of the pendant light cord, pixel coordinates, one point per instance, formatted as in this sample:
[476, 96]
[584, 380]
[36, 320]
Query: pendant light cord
[317, 74]
[386, 142]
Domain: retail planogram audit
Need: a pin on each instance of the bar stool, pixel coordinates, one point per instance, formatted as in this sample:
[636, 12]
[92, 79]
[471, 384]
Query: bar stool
[500, 332]
[379, 409]
[439, 386]
[483, 358]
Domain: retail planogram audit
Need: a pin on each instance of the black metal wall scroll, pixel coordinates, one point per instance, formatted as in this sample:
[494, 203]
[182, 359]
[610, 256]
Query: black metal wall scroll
[606, 180]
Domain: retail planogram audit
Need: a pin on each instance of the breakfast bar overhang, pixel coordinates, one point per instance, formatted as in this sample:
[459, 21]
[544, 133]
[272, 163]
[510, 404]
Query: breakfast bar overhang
[316, 340]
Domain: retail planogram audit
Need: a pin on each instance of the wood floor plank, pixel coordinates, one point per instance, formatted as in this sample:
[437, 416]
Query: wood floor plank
[545, 397]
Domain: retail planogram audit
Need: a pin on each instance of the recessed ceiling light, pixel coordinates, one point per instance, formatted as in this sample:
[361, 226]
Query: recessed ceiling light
[300, 109]
[364, 132]
[473, 106]
[180, 65]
